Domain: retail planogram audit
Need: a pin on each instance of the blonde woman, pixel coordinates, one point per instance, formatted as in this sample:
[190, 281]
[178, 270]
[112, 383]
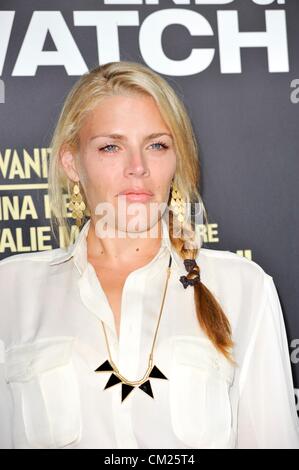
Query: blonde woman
[133, 336]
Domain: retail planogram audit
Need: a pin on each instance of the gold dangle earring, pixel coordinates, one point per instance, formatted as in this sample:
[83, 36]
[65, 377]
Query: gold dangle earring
[77, 205]
[177, 204]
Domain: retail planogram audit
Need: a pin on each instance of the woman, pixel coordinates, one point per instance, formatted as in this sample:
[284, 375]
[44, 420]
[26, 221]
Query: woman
[135, 337]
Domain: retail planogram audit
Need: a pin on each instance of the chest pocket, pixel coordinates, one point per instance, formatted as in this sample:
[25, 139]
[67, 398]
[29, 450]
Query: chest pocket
[46, 391]
[200, 380]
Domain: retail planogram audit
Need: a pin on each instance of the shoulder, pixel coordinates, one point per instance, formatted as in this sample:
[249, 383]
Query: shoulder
[240, 284]
[231, 267]
[229, 258]
[31, 260]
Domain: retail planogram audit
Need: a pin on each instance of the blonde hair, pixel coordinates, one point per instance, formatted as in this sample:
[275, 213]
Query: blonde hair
[121, 78]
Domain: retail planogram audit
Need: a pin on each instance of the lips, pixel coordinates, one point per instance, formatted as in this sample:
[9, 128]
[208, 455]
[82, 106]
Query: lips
[136, 192]
[137, 195]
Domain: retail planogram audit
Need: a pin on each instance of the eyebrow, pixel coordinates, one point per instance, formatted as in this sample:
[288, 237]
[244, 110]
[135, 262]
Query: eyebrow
[124, 138]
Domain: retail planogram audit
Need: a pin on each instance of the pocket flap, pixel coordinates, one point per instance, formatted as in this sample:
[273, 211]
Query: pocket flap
[200, 352]
[23, 362]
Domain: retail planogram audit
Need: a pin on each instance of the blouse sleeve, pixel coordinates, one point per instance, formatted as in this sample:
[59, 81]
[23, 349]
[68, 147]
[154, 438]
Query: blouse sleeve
[5, 406]
[267, 416]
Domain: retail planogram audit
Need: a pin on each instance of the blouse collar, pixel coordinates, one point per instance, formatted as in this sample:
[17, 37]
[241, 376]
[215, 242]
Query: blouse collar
[78, 249]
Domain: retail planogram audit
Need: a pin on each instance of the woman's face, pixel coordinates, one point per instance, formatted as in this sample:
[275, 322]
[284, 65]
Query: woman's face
[135, 159]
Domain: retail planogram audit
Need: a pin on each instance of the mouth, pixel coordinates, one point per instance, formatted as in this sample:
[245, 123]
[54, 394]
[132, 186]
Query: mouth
[137, 195]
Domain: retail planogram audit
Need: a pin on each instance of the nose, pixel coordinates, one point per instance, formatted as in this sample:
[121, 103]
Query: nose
[136, 164]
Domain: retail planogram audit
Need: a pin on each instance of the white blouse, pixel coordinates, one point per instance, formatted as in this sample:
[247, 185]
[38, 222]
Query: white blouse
[52, 341]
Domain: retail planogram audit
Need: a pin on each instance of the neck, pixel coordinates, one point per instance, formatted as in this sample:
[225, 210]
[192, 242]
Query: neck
[122, 249]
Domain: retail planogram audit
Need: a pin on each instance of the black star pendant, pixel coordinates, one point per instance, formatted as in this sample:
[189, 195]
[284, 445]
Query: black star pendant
[126, 389]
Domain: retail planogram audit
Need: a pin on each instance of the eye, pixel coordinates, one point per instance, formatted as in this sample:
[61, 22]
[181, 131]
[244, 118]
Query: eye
[103, 149]
[161, 144]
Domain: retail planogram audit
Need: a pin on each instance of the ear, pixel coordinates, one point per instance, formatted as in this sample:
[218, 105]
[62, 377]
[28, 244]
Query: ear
[68, 162]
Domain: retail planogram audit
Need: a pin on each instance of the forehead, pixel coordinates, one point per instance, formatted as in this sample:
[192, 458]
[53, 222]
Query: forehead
[123, 113]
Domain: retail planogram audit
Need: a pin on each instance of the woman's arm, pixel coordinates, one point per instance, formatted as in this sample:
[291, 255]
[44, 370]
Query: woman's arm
[267, 416]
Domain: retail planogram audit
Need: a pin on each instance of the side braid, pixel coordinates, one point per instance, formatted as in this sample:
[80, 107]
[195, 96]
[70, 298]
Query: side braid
[210, 314]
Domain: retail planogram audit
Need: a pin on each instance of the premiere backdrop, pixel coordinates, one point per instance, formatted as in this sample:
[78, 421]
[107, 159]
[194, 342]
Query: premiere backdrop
[236, 66]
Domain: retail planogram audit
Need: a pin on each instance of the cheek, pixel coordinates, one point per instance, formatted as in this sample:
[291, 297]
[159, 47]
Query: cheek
[104, 182]
[163, 171]
[168, 164]
[98, 170]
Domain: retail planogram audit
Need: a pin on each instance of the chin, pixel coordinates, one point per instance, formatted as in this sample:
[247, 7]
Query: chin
[136, 226]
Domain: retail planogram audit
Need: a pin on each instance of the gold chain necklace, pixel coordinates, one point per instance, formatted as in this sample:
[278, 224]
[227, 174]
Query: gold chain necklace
[152, 370]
